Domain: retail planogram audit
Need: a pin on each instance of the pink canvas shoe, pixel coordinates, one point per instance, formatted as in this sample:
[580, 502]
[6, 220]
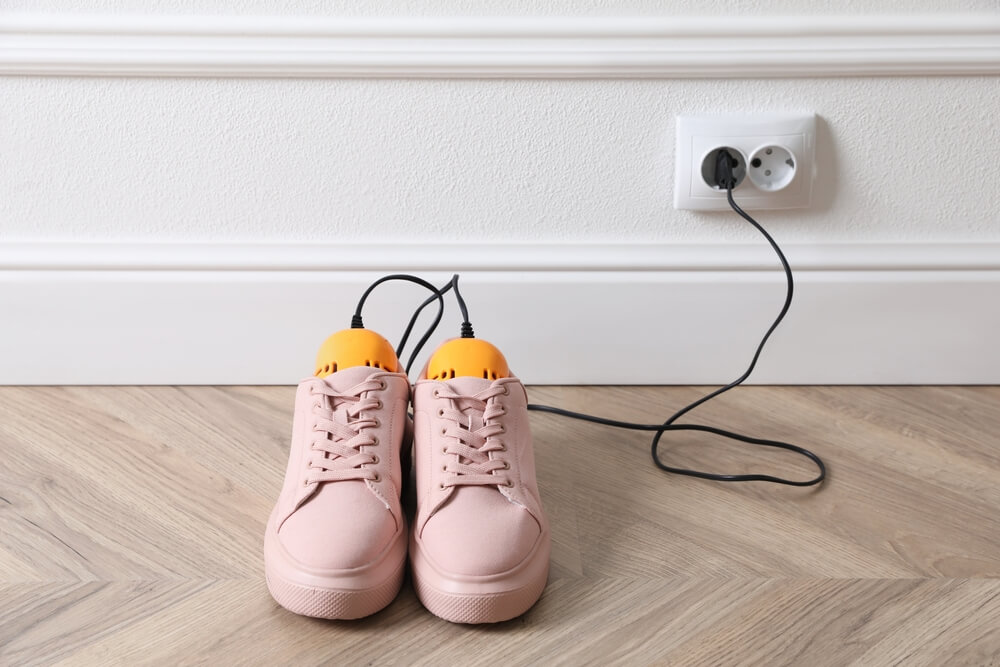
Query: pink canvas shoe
[335, 544]
[479, 548]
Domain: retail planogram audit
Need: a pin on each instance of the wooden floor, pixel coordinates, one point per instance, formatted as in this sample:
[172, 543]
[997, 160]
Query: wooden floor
[131, 524]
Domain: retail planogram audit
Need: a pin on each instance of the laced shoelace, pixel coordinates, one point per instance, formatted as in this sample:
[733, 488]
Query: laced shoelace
[335, 446]
[472, 436]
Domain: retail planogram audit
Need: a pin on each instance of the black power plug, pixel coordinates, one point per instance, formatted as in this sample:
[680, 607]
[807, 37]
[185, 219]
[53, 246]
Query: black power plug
[725, 166]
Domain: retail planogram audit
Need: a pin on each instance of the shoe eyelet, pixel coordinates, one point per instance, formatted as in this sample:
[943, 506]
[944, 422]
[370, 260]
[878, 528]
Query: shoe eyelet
[509, 484]
[506, 466]
[441, 413]
[377, 478]
[436, 394]
[506, 390]
[305, 482]
[441, 485]
[382, 385]
[444, 450]
[444, 431]
[444, 468]
[378, 404]
[374, 441]
[378, 423]
[503, 429]
[375, 459]
[503, 447]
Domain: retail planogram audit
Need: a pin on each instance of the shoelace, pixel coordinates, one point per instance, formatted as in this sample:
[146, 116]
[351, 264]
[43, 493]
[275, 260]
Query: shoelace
[336, 453]
[472, 436]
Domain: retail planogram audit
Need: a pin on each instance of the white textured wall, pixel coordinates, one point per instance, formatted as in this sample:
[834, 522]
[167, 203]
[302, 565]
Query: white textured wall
[902, 159]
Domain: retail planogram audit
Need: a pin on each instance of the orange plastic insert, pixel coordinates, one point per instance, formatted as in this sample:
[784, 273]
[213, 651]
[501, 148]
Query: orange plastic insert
[467, 357]
[355, 347]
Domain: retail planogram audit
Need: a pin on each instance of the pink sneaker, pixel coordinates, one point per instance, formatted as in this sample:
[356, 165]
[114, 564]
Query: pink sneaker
[335, 545]
[479, 548]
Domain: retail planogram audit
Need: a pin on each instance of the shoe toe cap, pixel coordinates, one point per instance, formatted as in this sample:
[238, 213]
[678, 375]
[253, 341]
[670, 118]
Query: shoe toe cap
[482, 534]
[342, 526]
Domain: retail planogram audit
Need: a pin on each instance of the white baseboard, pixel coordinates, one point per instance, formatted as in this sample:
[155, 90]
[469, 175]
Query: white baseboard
[630, 314]
[902, 44]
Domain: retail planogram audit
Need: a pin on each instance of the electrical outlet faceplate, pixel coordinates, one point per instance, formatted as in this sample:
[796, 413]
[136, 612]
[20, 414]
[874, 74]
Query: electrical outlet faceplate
[700, 134]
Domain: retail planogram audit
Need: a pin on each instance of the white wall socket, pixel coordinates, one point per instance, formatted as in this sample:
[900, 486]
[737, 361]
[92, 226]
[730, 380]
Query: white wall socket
[776, 154]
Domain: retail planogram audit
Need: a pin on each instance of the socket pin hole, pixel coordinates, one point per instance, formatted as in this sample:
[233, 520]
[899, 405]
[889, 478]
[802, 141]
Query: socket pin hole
[767, 172]
[755, 162]
[768, 151]
[789, 162]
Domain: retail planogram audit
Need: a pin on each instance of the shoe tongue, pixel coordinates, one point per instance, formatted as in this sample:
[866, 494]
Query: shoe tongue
[349, 377]
[469, 386]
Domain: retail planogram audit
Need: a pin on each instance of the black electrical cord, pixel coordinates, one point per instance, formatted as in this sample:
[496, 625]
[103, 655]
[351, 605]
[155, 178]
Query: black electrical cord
[430, 330]
[357, 321]
[466, 326]
[725, 178]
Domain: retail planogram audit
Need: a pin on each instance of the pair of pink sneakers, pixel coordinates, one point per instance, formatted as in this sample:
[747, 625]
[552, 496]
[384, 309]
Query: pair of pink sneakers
[336, 542]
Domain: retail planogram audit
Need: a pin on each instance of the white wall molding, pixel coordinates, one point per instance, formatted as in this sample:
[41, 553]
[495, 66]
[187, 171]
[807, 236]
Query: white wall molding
[491, 256]
[254, 314]
[500, 47]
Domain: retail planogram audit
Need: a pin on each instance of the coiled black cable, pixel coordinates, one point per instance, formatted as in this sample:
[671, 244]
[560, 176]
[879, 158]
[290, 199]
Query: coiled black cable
[725, 178]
